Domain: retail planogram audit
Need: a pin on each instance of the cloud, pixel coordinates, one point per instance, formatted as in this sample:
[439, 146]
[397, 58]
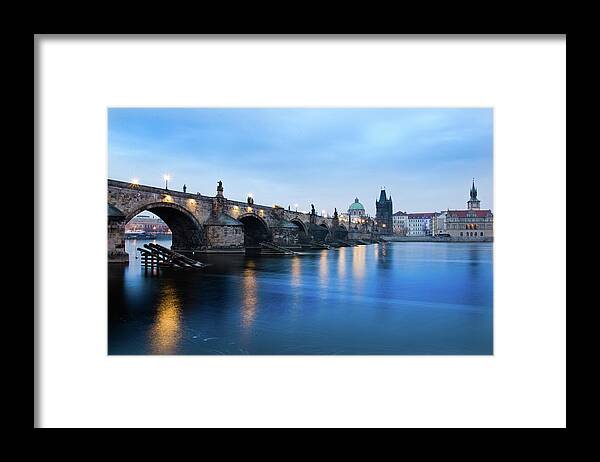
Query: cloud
[325, 156]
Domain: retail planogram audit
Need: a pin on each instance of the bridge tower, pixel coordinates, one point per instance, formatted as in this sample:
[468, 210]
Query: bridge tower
[473, 202]
[384, 215]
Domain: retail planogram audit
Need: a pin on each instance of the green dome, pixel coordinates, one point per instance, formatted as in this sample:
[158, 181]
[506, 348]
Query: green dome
[356, 205]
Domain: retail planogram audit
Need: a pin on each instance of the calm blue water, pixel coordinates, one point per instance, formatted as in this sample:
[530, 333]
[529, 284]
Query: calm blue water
[385, 299]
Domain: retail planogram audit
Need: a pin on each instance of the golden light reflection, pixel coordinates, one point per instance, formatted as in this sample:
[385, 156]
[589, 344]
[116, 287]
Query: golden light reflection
[295, 305]
[342, 263]
[323, 263]
[249, 297]
[296, 261]
[358, 261]
[167, 198]
[165, 333]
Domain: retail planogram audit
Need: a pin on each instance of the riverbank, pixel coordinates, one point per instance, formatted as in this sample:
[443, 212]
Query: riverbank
[432, 239]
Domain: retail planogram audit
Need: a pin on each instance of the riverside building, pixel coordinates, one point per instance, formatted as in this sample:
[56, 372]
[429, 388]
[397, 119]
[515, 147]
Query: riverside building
[470, 224]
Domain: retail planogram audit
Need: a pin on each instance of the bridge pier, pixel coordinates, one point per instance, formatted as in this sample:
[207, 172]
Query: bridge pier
[116, 236]
[285, 234]
[224, 232]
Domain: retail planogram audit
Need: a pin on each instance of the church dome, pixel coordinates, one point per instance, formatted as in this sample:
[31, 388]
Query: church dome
[356, 205]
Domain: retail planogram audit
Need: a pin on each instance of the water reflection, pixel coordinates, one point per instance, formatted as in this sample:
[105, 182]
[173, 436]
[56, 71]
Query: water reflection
[296, 295]
[249, 297]
[359, 261]
[296, 271]
[165, 333]
[323, 270]
[342, 263]
[406, 298]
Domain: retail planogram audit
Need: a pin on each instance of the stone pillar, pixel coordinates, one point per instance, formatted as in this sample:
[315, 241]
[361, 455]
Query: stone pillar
[218, 203]
[116, 236]
[116, 242]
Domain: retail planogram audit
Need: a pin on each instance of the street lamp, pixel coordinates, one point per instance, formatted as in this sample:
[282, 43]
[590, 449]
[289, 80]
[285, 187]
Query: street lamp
[166, 178]
[296, 207]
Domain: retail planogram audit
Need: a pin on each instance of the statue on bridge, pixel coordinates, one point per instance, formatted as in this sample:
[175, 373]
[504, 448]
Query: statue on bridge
[335, 220]
[220, 188]
[184, 188]
[312, 218]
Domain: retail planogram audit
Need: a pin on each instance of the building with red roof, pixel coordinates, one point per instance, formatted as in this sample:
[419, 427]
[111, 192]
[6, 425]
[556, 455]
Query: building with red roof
[468, 225]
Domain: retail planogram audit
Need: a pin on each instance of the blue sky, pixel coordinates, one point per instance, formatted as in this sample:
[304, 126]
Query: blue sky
[425, 158]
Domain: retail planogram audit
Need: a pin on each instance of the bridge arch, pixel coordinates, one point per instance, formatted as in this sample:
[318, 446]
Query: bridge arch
[187, 232]
[256, 229]
[303, 227]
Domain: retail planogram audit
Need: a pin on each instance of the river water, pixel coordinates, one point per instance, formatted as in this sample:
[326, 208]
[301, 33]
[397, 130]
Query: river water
[401, 298]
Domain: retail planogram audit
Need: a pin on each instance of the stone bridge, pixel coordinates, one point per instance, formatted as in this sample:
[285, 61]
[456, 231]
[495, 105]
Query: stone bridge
[210, 224]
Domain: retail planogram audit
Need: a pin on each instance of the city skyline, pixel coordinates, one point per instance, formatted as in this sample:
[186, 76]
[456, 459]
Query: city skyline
[425, 158]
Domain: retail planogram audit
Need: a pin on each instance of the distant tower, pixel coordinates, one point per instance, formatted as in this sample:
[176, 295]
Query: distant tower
[473, 202]
[384, 213]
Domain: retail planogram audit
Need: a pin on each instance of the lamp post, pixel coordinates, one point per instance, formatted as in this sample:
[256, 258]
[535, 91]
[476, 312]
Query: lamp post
[166, 178]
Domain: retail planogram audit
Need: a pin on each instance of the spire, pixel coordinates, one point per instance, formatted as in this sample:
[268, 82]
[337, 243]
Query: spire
[473, 192]
[473, 203]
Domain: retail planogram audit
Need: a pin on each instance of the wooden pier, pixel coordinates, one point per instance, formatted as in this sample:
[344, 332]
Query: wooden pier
[157, 256]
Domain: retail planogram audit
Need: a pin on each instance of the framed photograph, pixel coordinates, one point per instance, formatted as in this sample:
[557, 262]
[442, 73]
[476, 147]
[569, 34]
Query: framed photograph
[228, 272]
[300, 232]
